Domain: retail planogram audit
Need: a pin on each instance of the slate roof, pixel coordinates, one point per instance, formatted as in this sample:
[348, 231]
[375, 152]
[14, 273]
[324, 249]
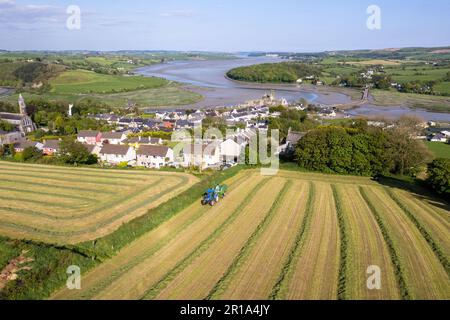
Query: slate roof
[155, 151]
[52, 144]
[87, 134]
[112, 135]
[114, 149]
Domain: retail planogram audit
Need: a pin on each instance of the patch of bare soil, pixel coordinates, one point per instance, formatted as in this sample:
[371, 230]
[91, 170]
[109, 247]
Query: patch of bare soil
[10, 272]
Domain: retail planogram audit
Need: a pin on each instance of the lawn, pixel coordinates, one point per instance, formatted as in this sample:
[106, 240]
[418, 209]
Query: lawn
[439, 149]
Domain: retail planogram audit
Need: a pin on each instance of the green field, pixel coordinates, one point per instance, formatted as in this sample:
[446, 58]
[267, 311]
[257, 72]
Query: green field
[170, 95]
[443, 87]
[439, 149]
[82, 82]
[423, 101]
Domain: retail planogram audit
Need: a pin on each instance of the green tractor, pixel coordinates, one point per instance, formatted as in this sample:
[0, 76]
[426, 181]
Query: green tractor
[213, 195]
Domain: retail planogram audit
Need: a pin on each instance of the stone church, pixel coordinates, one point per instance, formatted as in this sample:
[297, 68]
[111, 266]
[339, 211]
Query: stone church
[21, 120]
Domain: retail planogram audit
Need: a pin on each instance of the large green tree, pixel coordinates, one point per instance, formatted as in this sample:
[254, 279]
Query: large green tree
[73, 152]
[439, 177]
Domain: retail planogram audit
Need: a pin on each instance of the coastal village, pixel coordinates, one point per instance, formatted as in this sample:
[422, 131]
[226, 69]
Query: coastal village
[128, 145]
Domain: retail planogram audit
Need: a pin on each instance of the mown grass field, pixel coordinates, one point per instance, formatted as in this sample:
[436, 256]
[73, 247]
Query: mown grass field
[70, 205]
[83, 81]
[292, 236]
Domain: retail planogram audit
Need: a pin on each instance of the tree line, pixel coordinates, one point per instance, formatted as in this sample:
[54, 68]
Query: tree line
[363, 150]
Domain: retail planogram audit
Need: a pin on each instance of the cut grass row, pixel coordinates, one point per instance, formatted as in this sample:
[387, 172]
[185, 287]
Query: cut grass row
[398, 268]
[317, 268]
[79, 172]
[196, 279]
[40, 282]
[437, 249]
[70, 220]
[280, 288]
[342, 285]
[93, 229]
[178, 231]
[419, 272]
[249, 245]
[173, 258]
[99, 182]
[255, 270]
[365, 247]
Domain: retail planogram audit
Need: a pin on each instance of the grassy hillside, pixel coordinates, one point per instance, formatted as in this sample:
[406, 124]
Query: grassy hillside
[82, 81]
[16, 74]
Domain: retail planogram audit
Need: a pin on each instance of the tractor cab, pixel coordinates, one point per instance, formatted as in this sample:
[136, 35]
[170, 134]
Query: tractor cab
[213, 195]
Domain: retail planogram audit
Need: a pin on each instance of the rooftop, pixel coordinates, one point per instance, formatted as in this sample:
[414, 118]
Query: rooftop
[114, 149]
[155, 151]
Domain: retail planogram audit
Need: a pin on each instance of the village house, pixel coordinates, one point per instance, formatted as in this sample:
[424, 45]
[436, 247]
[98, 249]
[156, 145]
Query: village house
[200, 155]
[292, 140]
[51, 147]
[9, 137]
[112, 137]
[184, 124]
[116, 154]
[151, 156]
[230, 151]
[89, 137]
[22, 145]
[439, 138]
[138, 141]
[327, 113]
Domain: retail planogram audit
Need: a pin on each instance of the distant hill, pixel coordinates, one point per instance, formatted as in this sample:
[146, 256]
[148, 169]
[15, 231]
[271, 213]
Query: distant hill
[22, 73]
[286, 72]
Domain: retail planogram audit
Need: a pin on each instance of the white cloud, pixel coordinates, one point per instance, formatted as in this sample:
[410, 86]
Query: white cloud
[177, 13]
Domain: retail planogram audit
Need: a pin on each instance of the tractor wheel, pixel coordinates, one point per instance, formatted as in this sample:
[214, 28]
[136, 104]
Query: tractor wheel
[203, 202]
[212, 203]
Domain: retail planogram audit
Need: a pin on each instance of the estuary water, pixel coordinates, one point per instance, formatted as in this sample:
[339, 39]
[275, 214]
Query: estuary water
[209, 79]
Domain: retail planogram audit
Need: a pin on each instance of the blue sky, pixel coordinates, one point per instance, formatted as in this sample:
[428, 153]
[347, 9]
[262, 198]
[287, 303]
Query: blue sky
[223, 25]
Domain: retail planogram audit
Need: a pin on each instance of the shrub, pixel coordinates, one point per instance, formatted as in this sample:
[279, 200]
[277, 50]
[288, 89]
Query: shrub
[439, 177]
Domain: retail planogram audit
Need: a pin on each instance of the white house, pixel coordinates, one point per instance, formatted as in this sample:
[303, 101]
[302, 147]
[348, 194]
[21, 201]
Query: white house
[112, 137]
[115, 154]
[439, 138]
[152, 156]
[203, 156]
[230, 151]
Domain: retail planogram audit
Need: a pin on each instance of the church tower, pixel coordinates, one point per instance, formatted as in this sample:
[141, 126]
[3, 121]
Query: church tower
[22, 105]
